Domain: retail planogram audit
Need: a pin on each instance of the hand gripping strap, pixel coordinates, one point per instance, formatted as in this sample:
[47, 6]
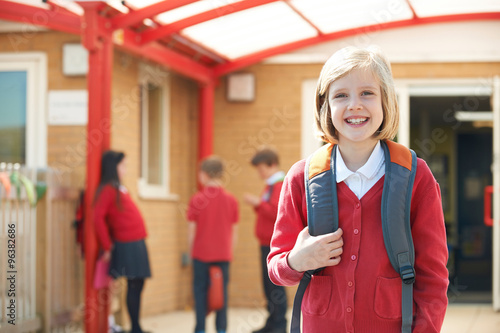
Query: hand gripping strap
[396, 204]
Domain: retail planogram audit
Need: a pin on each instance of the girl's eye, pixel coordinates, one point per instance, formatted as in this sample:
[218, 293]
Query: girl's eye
[340, 95]
[364, 93]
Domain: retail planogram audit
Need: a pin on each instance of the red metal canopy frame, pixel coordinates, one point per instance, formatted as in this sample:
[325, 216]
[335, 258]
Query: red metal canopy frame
[148, 42]
[96, 28]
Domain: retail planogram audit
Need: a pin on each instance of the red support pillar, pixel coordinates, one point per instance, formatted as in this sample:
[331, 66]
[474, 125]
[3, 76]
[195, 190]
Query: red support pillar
[206, 120]
[97, 40]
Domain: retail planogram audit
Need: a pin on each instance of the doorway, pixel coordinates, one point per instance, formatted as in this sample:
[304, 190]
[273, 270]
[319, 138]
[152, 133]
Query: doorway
[459, 153]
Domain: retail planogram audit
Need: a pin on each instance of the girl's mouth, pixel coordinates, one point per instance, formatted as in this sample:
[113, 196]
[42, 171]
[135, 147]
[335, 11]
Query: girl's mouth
[356, 121]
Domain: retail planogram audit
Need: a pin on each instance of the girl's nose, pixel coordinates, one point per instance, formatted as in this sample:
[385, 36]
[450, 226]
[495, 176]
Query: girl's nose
[355, 103]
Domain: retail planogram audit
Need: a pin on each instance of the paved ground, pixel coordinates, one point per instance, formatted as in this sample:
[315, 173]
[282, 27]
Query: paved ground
[460, 318]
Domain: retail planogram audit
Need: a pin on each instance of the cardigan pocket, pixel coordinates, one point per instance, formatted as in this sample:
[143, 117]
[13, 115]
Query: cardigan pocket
[318, 295]
[387, 302]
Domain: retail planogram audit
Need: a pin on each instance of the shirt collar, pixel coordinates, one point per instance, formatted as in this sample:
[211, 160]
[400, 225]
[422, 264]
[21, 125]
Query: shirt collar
[368, 170]
[276, 177]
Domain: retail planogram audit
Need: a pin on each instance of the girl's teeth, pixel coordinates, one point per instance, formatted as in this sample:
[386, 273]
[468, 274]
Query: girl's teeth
[356, 121]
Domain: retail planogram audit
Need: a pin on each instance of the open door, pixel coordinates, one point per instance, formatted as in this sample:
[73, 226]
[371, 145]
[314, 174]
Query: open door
[496, 193]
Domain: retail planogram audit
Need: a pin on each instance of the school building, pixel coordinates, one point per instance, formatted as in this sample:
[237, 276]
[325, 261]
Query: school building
[170, 82]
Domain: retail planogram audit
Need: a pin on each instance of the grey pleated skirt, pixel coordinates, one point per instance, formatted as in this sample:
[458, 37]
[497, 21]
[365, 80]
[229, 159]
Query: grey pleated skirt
[130, 259]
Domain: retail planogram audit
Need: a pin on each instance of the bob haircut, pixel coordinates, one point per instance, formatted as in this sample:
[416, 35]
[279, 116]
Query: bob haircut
[340, 64]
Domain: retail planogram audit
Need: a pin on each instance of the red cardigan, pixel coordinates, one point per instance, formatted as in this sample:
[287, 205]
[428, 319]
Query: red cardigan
[124, 224]
[363, 292]
[266, 214]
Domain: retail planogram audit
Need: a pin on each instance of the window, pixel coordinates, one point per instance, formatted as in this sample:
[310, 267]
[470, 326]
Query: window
[13, 113]
[155, 132]
[23, 128]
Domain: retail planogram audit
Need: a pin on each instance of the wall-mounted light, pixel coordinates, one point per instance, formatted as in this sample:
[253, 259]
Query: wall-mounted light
[75, 60]
[241, 87]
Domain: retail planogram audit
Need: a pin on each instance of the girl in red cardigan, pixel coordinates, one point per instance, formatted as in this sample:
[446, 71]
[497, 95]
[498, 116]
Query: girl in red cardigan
[359, 291]
[121, 232]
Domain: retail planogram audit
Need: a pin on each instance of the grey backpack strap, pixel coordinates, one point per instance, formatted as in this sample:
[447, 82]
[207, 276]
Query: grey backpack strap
[398, 240]
[322, 218]
[321, 199]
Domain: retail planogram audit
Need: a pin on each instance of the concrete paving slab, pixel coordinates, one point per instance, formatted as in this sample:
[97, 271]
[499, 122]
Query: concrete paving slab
[460, 318]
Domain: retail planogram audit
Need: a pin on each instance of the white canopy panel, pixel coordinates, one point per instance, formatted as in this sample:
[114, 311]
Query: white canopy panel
[251, 30]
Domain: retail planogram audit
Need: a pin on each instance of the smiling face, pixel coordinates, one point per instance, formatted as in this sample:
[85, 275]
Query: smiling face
[356, 107]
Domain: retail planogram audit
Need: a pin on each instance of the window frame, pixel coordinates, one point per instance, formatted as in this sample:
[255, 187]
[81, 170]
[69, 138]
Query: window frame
[35, 65]
[153, 75]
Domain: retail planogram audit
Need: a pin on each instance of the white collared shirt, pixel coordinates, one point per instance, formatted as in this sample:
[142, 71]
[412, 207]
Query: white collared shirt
[364, 178]
[276, 177]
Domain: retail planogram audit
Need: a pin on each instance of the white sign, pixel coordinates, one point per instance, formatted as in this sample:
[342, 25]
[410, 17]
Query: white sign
[68, 107]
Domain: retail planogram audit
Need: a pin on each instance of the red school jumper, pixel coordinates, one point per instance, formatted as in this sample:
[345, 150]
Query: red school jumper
[266, 213]
[363, 293]
[214, 210]
[122, 223]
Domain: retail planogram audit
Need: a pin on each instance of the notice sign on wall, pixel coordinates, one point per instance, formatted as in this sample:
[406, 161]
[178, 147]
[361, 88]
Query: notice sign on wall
[68, 107]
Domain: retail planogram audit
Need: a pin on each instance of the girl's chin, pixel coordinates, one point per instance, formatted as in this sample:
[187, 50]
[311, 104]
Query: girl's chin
[365, 139]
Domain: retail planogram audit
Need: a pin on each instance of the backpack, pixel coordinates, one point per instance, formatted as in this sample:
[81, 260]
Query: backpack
[322, 216]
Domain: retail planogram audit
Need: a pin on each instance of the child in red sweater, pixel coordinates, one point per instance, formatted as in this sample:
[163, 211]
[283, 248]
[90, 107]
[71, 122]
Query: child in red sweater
[121, 232]
[359, 291]
[266, 161]
[212, 214]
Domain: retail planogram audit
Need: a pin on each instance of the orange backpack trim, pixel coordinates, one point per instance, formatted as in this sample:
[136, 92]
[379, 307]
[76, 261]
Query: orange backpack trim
[399, 154]
[320, 161]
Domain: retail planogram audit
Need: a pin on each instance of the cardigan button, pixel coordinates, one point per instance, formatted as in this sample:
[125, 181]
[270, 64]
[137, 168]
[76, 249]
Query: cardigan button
[350, 283]
[358, 205]
[353, 257]
[349, 309]
[356, 231]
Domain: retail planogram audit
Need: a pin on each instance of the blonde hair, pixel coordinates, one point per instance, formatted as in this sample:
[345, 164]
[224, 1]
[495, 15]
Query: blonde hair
[213, 166]
[339, 65]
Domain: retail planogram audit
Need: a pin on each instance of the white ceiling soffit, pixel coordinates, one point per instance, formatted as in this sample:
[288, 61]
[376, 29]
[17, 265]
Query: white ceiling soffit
[425, 8]
[476, 41]
[252, 30]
